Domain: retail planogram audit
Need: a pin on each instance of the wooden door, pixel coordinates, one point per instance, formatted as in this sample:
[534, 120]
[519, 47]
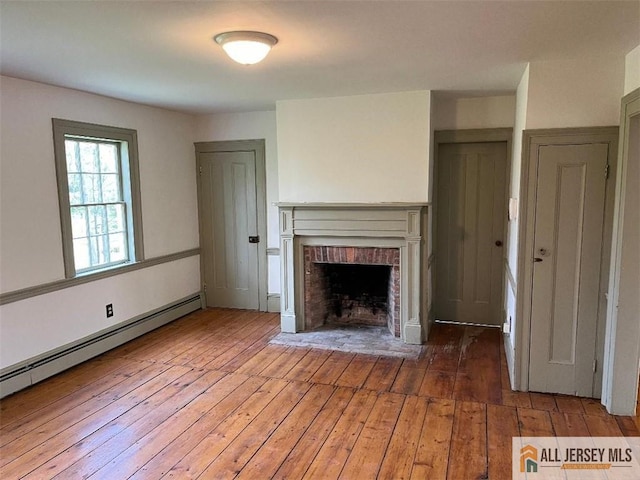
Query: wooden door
[470, 228]
[228, 220]
[568, 236]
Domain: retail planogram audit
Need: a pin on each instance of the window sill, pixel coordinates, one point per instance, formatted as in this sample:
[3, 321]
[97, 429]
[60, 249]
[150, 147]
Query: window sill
[125, 266]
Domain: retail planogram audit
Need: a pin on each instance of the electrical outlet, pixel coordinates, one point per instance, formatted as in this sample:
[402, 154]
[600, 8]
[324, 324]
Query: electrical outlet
[110, 310]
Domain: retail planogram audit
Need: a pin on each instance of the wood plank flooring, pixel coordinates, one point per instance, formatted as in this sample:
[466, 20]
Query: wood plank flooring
[208, 397]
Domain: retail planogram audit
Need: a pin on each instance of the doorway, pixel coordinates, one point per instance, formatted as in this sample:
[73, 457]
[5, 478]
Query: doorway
[232, 217]
[568, 211]
[470, 209]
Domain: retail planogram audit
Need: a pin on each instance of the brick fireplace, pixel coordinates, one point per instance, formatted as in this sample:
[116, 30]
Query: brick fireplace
[355, 263]
[352, 285]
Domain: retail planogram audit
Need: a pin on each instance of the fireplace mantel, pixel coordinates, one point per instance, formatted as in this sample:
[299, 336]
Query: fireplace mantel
[383, 225]
[386, 205]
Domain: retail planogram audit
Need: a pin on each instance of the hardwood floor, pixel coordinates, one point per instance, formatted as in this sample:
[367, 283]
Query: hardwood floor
[208, 397]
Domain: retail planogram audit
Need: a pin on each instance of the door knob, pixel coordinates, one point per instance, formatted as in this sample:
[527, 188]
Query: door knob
[537, 259]
[255, 239]
[498, 243]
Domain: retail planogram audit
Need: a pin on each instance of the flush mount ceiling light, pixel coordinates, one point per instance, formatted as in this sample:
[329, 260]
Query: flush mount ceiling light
[246, 47]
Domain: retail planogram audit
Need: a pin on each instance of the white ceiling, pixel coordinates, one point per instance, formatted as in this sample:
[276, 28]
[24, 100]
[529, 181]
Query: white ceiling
[161, 53]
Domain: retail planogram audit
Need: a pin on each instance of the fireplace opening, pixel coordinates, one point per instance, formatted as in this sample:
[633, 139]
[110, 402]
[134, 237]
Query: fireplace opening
[353, 286]
[357, 294]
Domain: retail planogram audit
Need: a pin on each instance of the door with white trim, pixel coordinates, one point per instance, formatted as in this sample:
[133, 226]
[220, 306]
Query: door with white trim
[229, 228]
[470, 227]
[568, 237]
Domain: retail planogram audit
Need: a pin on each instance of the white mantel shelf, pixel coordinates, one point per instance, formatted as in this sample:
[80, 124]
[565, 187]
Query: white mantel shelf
[329, 205]
[385, 225]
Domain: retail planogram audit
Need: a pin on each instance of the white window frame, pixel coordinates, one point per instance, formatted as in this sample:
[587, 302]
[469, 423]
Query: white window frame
[127, 141]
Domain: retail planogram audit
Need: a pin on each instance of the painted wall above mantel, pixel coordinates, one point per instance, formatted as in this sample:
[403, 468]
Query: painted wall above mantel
[357, 149]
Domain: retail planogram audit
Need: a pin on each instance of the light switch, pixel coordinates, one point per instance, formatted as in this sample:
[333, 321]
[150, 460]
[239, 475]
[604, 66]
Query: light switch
[513, 209]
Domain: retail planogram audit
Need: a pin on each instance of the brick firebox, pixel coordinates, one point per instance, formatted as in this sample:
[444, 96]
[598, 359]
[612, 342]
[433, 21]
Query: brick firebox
[350, 285]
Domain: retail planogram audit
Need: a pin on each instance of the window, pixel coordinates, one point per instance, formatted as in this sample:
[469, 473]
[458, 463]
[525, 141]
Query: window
[99, 195]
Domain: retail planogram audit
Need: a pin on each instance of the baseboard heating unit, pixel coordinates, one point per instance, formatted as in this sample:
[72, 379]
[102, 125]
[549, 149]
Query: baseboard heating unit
[34, 370]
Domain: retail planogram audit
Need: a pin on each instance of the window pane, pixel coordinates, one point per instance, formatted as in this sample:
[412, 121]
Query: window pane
[91, 188]
[79, 221]
[108, 158]
[110, 188]
[89, 157]
[81, 253]
[99, 250]
[94, 251]
[71, 150]
[103, 249]
[117, 247]
[115, 218]
[97, 219]
[75, 189]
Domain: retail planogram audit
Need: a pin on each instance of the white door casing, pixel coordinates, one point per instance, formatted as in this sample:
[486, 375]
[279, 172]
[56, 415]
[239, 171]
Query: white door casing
[622, 342]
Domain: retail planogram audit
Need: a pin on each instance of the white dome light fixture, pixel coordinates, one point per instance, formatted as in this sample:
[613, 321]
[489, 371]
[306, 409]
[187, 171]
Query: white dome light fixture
[246, 47]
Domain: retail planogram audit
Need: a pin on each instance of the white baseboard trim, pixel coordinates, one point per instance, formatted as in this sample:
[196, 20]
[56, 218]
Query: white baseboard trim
[273, 302]
[510, 360]
[430, 321]
[36, 369]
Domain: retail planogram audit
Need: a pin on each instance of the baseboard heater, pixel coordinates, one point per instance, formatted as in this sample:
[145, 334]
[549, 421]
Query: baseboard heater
[44, 366]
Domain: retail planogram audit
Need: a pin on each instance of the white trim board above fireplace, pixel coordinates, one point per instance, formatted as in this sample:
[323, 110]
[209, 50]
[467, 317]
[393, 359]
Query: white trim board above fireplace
[400, 226]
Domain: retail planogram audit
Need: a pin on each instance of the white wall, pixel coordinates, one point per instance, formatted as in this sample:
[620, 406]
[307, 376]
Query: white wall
[451, 113]
[522, 96]
[366, 148]
[252, 126]
[632, 70]
[30, 238]
[575, 93]
[31, 327]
